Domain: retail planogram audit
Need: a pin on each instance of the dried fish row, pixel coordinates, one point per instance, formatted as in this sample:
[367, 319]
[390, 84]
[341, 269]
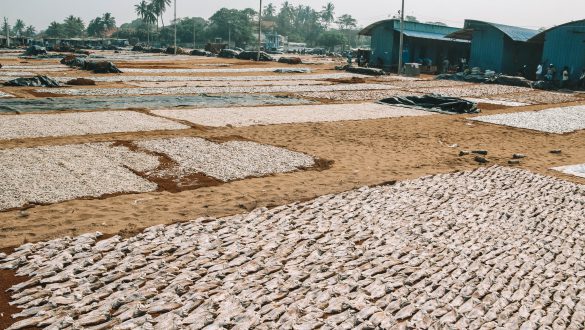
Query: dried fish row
[413, 84]
[226, 83]
[361, 95]
[54, 174]
[229, 160]
[128, 78]
[555, 120]
[212, 90]
[39, 67]
[539, 97]
[270, 115]
[80, 123]
[475, 90]
[239, 70]
[490, 248]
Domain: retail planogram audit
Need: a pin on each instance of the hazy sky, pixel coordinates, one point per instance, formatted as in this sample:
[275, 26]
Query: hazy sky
[525, 13]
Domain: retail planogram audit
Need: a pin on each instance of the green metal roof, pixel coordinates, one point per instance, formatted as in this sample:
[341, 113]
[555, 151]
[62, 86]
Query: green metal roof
[408, 25]
[513, 32]
[430, 35]
[540, 36]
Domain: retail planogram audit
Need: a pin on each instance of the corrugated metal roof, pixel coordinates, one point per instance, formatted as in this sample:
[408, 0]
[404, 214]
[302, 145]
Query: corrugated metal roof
[410, 26]
[540, 36]
[429, 35]
[514, 32]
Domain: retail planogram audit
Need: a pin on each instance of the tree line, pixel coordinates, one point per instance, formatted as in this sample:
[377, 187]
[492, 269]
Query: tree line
[19, 29]
[299, 23]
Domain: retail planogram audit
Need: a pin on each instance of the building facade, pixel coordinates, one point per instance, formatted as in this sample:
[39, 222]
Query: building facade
[422, 42]
[501, 48]
[564, 45]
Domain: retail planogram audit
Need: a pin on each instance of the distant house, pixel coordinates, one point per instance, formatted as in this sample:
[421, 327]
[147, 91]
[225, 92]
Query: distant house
[421, 42]
[564, 45]
[500, 48]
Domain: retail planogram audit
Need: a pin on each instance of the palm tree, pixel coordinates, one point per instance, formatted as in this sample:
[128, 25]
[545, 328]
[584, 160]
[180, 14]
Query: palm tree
[109, 21]
[328, 14]
[346, 23]
[145, 11]
[269, 10]
[160, 6]
[30, 31]
[18, 28]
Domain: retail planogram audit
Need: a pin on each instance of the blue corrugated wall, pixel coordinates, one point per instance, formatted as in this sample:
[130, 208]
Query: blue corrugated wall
[565, 46]
[487, 49]
[382, 41]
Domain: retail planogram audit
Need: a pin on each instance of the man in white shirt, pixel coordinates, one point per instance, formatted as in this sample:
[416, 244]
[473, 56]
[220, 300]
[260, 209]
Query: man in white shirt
[539, 72]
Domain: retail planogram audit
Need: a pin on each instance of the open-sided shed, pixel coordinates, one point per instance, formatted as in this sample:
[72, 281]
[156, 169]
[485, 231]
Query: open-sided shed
[501, 48]
[421, 41]
[564, 45]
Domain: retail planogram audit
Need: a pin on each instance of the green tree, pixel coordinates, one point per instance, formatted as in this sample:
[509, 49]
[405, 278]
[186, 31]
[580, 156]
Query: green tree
[331, 39]
[5, 27]
[95, 28]
[269, 11]
[241, 25]
[346, 23]
[55, 30]
[109, 21]
[285, 19]
[100, 26]
[146, 13]
[437, 23]
[19, 27]
[30, 31]
[328, 14]
[188, 30]
[73, 27]
[159, 7]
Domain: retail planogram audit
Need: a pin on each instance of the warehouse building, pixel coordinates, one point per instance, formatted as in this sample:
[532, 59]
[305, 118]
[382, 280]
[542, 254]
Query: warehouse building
[422, 42]
[501, 48]
[564, 45]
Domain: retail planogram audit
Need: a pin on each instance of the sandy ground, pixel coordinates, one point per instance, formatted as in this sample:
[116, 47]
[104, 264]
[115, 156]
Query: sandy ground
[367, 152]
[364, 153]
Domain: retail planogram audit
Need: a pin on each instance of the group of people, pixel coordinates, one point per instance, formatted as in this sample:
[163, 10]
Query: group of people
[551, 75]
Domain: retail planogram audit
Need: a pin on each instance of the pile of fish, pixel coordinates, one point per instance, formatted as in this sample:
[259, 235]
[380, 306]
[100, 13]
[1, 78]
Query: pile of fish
[491, 248]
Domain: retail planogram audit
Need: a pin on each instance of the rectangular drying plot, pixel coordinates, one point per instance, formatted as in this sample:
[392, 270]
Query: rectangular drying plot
[54, 174]
[128, 78]
[576, 170]
[80, 123]
[248, 116]
[242, 83]
[212, 90]
[229, 160]
[556, 120]
[240, 70]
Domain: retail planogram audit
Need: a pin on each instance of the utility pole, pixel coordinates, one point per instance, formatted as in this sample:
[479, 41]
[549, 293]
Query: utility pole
[229, 34]
[175, 27]
[401, 50]
[194, 33]
[259, 30]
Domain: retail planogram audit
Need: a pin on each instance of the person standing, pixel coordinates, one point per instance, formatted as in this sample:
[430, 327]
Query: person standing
[539, 69]
[445, 65]
[565, 77]
[551, 72]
